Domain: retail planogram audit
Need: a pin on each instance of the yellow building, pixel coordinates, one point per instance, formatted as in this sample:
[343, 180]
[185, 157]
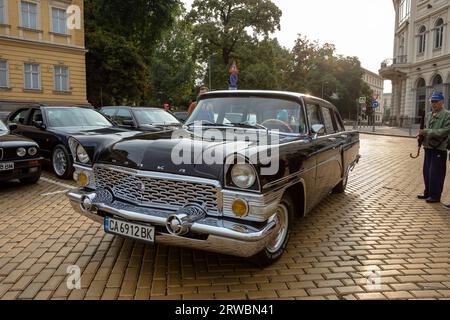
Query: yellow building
[42, 53]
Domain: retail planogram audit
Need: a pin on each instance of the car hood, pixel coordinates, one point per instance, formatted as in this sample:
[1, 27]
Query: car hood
[177, 152]
[12, 140]
[88, 130]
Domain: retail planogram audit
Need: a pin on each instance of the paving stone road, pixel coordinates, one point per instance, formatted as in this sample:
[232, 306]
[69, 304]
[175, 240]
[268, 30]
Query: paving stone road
[377, 241]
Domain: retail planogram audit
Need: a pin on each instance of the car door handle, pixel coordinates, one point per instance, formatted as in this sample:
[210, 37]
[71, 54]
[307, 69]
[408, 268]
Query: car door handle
[344, 136]
[332, 139]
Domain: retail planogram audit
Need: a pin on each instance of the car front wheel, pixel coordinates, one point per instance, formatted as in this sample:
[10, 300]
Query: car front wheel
[275, 248]
[61, 162]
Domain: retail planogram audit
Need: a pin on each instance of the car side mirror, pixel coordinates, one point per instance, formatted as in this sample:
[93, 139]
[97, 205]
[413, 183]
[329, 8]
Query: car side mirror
[39, 125]
[318, 129]
[12, 127]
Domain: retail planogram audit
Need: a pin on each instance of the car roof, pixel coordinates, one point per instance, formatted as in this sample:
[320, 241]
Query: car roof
[261, 93]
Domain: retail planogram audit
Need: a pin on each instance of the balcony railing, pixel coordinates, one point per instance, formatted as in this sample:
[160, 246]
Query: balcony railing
[392, 61]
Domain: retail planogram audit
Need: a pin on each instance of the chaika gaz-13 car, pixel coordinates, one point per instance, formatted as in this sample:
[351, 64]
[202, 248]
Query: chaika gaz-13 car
[232, 180]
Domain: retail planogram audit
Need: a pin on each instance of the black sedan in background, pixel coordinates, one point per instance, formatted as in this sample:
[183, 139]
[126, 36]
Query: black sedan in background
[141, 118]
[52, 126]
[19, 158]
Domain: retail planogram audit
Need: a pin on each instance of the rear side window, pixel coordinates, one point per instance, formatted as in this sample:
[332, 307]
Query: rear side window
[328, 120]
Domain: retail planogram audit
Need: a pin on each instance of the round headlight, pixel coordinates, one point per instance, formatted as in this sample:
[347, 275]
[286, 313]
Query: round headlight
[243, 175]
[21, 152]
[82, 155]
[32, 151]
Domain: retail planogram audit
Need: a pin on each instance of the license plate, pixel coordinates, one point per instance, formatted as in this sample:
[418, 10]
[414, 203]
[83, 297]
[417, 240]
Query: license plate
[5, 166]
[131, 230]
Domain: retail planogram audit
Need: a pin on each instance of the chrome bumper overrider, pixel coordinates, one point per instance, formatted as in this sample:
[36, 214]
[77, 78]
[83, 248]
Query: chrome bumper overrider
[220, 235]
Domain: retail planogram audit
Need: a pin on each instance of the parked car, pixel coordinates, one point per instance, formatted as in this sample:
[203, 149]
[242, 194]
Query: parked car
[240, 205]
[141, 118]
[19, 157]
[52, 126]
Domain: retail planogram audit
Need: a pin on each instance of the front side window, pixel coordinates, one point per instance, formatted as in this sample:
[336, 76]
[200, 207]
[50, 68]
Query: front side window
[59, 20]
[2, 12]
[75, 117]
[422, 39]
[328, 120]
[29, 14]
[61, 78]
[32, 76]
[123, 117]
[439, 34]
[3, 74]
[314, 116]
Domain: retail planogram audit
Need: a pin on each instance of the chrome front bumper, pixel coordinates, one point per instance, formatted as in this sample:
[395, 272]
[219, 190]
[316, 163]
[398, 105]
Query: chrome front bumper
[222, 236]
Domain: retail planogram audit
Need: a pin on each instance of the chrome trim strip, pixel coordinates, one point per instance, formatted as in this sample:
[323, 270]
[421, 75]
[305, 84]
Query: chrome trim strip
[1, 153]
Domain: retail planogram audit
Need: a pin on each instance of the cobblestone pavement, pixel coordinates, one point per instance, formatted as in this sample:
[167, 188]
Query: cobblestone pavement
[378, 231]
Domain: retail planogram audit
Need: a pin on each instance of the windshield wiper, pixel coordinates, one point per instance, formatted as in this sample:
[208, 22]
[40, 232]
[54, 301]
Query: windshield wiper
[250, 126]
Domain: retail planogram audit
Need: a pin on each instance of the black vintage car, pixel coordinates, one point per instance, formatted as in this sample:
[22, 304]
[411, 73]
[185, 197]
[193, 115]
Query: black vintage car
[232, 180]
[141, 118]
[19, 158]
[51, 127]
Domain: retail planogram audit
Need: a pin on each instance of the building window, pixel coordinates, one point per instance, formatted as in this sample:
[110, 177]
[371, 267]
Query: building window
[2, 12]
[422, 39]
[61, 78]
[404, 11]
[3, 74]
[32, 76]
[59, 20]
[29, 15]
[439, 34]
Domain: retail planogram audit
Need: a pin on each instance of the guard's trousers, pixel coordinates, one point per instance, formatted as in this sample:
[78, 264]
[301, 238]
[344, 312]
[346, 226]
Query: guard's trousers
[434, 171]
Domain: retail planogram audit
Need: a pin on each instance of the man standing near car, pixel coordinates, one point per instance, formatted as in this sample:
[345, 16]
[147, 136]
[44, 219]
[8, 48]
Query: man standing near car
[201, 91]
[436, 133]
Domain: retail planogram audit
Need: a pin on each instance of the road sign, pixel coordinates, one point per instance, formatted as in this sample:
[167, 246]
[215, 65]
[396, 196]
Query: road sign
[232, 87]
[234, 79]
[375, 104]
[362, 100]
[234, 68]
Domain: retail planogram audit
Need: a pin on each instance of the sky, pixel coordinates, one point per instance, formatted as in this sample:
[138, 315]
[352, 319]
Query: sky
[362, 28]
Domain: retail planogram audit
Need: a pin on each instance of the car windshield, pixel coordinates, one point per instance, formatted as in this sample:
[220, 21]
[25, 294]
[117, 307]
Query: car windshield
[286, 116]
[76, 117]
[3, 127]
[154, 116]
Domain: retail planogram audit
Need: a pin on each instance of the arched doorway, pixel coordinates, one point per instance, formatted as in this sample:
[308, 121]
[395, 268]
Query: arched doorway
[437, 83]
[421, 98]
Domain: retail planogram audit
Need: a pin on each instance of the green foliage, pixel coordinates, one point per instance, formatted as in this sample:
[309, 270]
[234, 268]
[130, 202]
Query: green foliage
[120, 38]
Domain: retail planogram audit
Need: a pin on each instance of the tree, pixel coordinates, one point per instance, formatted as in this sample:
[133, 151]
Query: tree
[121, 37]
[172, 71]
[221, 25]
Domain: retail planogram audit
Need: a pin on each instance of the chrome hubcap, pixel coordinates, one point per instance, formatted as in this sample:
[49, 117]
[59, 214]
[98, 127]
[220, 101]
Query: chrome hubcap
[59, 162]
[281, 218]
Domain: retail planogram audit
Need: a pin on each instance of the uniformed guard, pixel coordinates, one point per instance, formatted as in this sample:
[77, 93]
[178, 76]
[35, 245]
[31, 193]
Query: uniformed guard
[436, 133]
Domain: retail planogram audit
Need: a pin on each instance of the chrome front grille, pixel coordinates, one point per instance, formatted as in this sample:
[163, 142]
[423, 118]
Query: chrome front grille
[142, 188]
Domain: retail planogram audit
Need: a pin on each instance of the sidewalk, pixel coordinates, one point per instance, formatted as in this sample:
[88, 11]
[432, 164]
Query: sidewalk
[386, 131]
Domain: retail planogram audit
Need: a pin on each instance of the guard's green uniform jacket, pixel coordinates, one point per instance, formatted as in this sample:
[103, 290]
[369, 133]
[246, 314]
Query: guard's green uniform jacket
[437, 130]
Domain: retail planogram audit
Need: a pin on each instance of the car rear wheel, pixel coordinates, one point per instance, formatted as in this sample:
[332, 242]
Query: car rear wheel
[61, 162]
[33, 179]
[275, 248]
